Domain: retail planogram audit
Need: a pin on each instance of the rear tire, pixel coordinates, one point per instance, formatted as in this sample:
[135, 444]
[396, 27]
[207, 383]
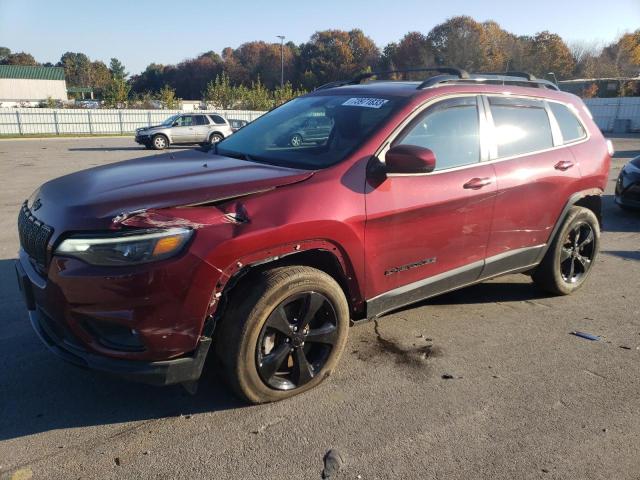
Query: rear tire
[569, 260]
[159, 142]
[215, 138]
[295, 140]
[274, 339]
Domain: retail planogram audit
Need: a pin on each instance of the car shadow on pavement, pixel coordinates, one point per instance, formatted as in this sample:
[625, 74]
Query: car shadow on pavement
[616, 219]
[626, 154]
[490, 292]
[39, 392]
[624, 254]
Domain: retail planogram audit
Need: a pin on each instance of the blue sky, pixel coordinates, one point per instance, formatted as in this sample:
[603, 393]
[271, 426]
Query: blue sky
[139, 32]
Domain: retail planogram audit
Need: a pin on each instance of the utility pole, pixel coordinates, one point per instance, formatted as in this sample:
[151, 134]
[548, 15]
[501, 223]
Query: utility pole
[281, 37]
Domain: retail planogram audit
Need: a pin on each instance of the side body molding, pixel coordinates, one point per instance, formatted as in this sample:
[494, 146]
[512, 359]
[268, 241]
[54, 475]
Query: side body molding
[514, 261]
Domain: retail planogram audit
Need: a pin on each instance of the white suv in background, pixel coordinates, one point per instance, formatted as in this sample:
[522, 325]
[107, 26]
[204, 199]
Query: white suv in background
[185, 128]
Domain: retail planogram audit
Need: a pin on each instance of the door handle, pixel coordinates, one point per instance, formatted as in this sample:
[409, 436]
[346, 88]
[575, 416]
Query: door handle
[563, 165]
[477, 183]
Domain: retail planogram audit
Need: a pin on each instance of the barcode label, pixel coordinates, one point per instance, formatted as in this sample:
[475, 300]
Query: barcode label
[365, 102]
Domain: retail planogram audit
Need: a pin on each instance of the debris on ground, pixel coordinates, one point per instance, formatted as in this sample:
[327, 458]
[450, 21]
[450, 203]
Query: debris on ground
[587, 336]
[333, 462]
[22, 474]
[447, 376]
[624, 347]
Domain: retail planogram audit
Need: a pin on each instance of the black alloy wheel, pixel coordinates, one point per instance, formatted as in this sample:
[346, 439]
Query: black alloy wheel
[577, 253]
[296, 341]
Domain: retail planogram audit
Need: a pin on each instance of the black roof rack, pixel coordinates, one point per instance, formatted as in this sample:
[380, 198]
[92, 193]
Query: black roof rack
[453, 72]
[455, 75]
[511, 73]
[506, 78]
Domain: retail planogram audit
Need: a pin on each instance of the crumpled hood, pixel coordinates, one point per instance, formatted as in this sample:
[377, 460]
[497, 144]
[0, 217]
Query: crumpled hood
[152, 127]
[91, 198]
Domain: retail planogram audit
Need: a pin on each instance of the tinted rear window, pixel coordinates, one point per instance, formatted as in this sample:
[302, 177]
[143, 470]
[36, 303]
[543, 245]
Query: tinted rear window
[522, 126]
[570, 126]
[217, 119]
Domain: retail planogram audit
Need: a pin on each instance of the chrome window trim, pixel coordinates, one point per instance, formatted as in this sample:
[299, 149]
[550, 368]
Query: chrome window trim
[493, 158]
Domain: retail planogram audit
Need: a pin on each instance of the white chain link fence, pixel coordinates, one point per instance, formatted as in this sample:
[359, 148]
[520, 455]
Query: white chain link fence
[51, 121]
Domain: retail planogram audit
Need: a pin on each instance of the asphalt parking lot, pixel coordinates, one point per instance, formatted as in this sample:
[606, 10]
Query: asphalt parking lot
[527, 399]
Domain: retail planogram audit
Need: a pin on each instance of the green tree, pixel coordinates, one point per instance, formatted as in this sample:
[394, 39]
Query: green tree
[77, 69]
[20, 58]
[284, 94]
[168, 98]
[99, 76]
[4, 53]
[116, 94]
[117, 69]
[221, 93]
[257, 97]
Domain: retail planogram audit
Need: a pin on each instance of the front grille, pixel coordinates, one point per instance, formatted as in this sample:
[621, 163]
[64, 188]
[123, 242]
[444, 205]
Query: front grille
[34, 235]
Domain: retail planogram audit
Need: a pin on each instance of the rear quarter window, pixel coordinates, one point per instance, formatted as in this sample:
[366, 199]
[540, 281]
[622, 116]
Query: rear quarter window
[570, 126]
[522, 126]
[217, 119]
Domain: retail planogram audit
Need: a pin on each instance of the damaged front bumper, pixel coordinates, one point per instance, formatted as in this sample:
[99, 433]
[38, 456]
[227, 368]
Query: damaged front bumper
[166, 372]
[61, 342]
[143, 139]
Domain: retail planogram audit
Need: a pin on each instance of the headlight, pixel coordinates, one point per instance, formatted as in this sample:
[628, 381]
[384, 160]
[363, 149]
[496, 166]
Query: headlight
[128, 248]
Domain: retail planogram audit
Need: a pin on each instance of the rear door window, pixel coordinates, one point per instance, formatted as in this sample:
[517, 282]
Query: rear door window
[570, 126]
[201, 120]
[521, 126]
[450, 129]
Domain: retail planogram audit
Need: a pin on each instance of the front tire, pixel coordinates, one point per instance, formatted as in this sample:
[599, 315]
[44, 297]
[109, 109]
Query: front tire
[159, 142]
[284, 335]
[570, 258]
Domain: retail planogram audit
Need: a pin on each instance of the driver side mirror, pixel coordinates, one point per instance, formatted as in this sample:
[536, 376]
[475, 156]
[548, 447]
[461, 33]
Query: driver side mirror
[175, 124]
[409, 160]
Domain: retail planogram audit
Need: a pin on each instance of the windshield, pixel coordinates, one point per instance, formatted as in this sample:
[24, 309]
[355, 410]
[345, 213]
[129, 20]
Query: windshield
[310, 132]
[169, 121]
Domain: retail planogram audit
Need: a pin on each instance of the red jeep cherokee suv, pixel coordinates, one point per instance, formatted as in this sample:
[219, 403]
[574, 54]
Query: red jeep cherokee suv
[264, 252]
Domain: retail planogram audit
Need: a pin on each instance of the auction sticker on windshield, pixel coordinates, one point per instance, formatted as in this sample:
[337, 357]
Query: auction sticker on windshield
[365, 102]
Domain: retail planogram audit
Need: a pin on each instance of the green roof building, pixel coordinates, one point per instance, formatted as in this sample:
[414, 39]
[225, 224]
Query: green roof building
[22, 85]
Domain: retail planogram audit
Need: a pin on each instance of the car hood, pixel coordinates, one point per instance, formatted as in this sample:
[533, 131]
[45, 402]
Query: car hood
[92, 198]
[152, 127]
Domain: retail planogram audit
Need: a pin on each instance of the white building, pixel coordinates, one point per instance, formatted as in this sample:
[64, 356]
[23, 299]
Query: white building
[22, 85]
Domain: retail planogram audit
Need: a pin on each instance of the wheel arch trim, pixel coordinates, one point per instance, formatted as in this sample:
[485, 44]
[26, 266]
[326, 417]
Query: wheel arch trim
[313, 253]
[582, 198]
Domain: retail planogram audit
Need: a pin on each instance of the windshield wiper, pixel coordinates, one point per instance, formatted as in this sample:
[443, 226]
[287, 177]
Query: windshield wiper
[238, 155]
